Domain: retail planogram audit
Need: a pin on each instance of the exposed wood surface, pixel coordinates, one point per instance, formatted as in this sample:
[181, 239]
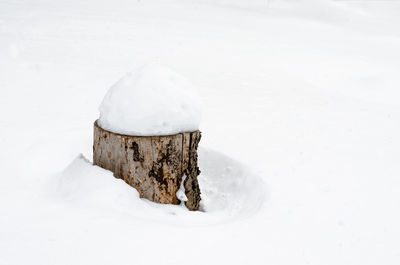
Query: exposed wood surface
[154, 165]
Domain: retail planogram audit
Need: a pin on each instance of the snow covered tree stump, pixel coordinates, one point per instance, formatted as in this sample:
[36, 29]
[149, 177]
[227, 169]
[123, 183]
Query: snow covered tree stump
[153, 165]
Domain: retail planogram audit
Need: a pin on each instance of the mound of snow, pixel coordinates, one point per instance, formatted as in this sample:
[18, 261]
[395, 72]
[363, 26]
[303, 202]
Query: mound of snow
[84, 183]
[228, 187]
[229, 192]
[153, 100]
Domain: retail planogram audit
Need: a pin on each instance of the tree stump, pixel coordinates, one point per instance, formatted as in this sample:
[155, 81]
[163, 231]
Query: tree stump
[153, 165]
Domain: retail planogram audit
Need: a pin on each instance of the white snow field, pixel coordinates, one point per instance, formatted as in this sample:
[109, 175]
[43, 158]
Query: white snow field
[300, 154]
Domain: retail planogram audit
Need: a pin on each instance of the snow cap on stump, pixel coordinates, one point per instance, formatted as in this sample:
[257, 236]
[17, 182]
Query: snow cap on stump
[153, 100]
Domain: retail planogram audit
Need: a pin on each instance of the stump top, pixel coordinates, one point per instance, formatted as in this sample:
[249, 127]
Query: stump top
[96, 124]
[153, 100]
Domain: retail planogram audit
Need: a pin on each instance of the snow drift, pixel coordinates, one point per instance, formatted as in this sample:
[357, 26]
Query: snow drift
[230, 191]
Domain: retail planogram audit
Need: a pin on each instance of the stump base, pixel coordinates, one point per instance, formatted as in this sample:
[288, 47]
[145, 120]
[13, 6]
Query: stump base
[153, 165]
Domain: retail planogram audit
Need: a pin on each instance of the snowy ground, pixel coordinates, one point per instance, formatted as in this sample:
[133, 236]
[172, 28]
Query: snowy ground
[305, 94]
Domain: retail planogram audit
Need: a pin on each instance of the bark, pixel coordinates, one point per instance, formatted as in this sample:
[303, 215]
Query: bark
[153, 165]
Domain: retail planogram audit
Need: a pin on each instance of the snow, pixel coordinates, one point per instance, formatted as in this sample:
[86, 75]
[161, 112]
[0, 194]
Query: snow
[153, 100]
[229, 191]
[303, 93]
[180, 194]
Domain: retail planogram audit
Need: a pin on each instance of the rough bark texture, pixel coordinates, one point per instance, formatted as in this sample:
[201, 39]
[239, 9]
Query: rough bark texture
[154, 165]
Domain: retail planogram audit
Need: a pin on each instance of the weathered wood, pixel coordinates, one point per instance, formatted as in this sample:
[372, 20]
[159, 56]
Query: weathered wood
[154, 165]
